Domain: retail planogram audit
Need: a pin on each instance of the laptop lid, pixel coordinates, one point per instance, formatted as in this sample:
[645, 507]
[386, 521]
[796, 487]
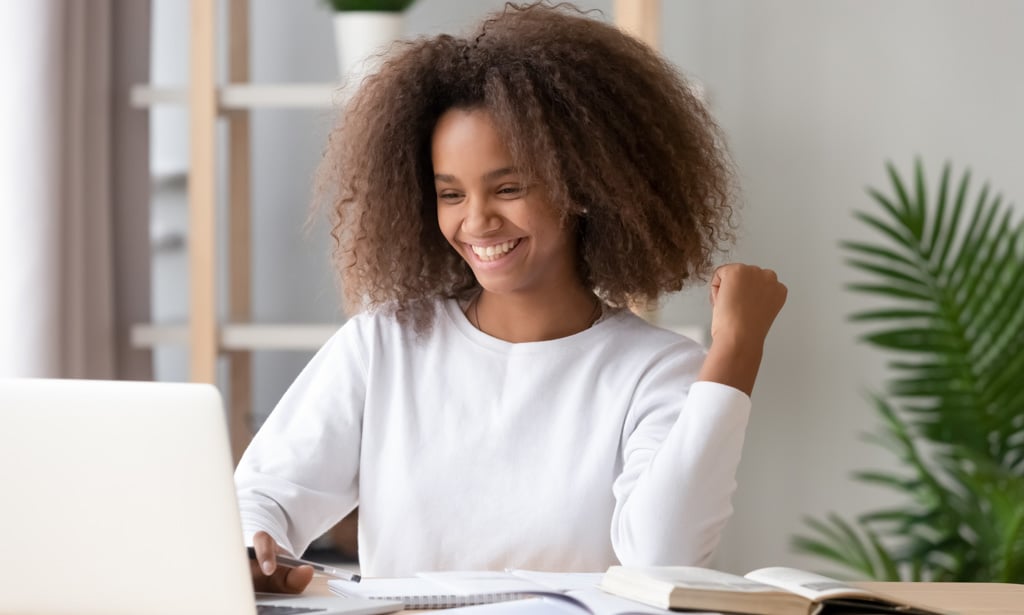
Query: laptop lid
[118, 498]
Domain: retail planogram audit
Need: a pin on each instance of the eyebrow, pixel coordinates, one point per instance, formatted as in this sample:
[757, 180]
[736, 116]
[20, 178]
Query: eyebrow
[488, 176]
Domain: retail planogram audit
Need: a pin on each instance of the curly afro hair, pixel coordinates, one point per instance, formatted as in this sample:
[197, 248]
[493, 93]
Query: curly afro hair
[609, 129]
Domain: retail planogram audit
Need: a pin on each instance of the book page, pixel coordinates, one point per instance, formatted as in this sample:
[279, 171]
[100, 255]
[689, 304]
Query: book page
[561, 581]
[697, 578]
[603, 603]
[685, 587]
[812, 586]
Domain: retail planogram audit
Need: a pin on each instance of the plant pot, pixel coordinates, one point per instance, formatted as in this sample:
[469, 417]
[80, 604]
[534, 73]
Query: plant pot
[360, 37]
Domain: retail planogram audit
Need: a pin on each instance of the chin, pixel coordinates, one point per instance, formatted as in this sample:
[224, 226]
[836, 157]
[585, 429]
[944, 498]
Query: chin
[497, 287]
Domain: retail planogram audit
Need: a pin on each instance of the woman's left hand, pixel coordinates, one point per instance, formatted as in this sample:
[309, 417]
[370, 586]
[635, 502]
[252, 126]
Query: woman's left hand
[745, 299]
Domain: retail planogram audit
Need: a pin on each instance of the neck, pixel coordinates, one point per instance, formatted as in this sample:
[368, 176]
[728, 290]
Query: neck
[536, 317]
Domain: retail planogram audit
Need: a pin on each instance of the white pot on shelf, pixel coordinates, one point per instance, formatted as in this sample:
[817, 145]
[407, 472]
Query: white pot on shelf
[360, 36]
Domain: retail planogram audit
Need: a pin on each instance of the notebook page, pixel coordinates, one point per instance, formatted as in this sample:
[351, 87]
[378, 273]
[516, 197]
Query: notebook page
[482, 582]
[530, 606]
[388, 589]
[561, 581]
[423, 593]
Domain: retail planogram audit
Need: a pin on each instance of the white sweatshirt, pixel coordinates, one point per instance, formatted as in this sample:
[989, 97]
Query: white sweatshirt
[467, 452]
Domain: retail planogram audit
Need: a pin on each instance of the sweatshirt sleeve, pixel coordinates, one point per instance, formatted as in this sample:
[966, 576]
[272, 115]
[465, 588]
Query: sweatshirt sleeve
[299, 475]
[680, 454]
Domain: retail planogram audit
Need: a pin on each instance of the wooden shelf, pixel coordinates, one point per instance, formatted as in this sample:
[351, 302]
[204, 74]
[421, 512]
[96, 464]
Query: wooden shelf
[247, 96]
[240, 337]
[284, 336]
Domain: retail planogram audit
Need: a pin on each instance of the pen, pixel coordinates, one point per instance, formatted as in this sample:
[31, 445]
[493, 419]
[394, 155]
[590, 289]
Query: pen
[292, 562]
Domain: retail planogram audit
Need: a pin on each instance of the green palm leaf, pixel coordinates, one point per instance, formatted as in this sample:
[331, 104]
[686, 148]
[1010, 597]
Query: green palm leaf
[894, 314]
[882, 253]
[952, 275]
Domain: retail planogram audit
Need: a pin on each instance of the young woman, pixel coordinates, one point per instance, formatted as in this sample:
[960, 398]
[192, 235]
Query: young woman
[499, 200]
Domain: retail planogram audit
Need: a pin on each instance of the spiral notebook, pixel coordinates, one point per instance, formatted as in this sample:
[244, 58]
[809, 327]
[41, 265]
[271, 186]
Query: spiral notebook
[442, 590]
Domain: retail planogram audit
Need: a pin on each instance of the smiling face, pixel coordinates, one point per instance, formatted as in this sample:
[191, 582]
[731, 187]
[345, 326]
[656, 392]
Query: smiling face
[510, 236]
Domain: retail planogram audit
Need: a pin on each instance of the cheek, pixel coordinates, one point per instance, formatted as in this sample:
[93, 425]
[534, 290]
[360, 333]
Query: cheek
[447, 223]
[561, 243]
[551, 231]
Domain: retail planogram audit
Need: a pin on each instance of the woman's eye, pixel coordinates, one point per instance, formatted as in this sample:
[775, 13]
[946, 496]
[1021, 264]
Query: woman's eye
[449, 196]
[510, 190]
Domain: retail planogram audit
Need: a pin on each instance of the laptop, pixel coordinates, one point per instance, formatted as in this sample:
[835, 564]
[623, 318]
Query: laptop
[118, 497]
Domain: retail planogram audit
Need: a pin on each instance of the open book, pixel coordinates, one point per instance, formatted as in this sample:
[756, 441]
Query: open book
[767, 591]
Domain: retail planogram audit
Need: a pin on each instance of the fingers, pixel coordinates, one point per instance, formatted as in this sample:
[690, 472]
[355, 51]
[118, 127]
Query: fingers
[735, 273]
[268, 575]
[733, 269]
[296, 579]
[266, 552]
[747, 275]
[716, 282]
[745, 299]
[285, 580]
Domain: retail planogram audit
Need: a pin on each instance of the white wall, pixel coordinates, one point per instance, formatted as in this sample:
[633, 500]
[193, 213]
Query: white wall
[814, 97]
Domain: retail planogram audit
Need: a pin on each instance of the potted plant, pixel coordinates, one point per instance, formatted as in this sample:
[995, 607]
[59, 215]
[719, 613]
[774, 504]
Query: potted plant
[948, 269]
[362, 30]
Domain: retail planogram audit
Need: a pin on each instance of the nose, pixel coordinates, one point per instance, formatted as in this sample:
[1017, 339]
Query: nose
[481, 218]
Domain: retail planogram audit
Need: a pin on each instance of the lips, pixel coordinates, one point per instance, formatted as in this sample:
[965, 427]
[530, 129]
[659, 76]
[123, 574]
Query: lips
[496, 251]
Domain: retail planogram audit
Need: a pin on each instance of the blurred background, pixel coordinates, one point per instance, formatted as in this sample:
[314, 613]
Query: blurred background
[813, 97]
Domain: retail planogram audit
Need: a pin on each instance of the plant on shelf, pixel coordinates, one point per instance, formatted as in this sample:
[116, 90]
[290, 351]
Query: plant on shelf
[949, 271]
[393, 6]
[363, 29]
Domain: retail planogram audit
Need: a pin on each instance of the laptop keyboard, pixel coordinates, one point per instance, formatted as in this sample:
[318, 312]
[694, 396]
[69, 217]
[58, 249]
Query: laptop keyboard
[274, 609]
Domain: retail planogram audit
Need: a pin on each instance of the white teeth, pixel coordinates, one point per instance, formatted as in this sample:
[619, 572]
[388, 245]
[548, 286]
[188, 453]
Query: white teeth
[492, 253]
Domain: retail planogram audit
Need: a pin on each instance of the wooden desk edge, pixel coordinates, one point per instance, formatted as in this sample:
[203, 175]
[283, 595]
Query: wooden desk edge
[963, 598]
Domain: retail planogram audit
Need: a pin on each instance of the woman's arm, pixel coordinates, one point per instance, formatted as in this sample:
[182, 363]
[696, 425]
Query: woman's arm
[674, 494]
[300, 473]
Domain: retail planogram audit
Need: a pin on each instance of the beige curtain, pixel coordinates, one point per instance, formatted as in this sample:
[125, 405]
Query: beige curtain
[74, 260]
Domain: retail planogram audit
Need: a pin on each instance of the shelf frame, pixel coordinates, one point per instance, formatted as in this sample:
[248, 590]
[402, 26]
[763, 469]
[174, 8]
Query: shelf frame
[248, 96]
[237, 337]
[202, 253]
[641, 18]
[239, 230]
